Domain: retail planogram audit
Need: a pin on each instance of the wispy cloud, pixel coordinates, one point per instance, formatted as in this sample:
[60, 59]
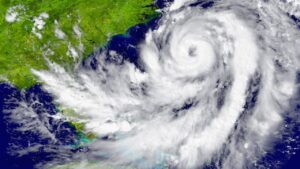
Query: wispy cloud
[238, 53]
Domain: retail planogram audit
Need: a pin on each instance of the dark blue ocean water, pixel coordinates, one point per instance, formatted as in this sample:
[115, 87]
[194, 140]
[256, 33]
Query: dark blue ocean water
[12, 139]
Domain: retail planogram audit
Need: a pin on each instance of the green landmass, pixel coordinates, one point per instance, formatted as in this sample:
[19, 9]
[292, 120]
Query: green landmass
[83, 136]
[32, 31]
[72, 30]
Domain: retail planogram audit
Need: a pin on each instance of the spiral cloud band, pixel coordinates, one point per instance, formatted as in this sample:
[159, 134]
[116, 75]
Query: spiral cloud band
[215, 87]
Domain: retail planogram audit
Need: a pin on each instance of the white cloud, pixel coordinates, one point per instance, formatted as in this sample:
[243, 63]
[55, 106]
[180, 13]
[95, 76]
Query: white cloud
[39, 23]
[13, 13]
[189, 59]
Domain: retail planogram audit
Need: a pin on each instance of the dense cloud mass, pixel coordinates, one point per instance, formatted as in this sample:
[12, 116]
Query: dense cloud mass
[212, 86]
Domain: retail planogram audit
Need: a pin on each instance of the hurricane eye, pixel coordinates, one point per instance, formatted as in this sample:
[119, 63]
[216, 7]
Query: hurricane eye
[206, 84]
[192, 52]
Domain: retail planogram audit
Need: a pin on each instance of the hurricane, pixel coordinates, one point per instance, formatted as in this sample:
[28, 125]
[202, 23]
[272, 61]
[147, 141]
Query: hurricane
[213, 85]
